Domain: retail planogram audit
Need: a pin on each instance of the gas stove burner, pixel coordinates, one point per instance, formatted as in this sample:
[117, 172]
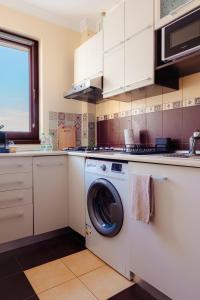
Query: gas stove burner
[89, 149]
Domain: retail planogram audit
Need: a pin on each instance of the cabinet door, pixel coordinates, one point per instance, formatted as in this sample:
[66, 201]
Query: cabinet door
[113, 26]
[139, 60]
[165, 252]
[95, 55]
[16, 223]
[138, 15]
[76, 192]
[80, 63]
[50, 193]
[114, 72]
[168, 11]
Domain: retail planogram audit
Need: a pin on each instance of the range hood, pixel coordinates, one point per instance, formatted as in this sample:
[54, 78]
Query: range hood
[89, 90]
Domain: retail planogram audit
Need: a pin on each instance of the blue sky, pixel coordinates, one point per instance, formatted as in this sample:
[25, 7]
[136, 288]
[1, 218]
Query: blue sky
[14, 89]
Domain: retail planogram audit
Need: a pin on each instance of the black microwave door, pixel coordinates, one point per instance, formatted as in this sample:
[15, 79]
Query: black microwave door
[182, 36]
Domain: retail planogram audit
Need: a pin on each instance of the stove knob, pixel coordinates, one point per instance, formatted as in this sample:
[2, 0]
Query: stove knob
[103, 167]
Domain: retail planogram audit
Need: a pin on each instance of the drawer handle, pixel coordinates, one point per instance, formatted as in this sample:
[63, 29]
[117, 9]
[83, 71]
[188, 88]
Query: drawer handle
[12, 166]
[50, 165]
[12, 216]
[7, 184]
[11, 200]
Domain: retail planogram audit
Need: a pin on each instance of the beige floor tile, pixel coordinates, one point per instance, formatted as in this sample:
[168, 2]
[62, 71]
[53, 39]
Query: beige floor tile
[82, 262]
[48, 275]
[71, 290]
[105, 282]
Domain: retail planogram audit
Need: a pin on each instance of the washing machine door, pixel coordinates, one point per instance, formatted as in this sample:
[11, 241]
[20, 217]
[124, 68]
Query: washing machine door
[105, 207]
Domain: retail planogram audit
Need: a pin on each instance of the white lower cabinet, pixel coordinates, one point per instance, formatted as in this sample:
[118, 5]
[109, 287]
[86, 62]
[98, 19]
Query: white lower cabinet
[76, 189]
[50, 193]
[16, 222]
[16, 207]
[165, 253]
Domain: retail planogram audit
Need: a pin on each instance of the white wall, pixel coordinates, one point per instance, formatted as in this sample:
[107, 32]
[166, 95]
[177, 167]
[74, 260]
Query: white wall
[56, 60]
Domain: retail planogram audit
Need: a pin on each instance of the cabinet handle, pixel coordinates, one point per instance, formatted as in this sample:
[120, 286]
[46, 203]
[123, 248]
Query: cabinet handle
[141, 80]
[49, 165]
[113, 90]
[11, 200]
[12, 216]
[12, 166]
[113, 47]
[138, 32]
[6, 184]
[176, 10]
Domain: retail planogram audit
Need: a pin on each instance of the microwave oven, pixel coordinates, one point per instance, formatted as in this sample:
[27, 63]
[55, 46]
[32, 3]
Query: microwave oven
[181, 37]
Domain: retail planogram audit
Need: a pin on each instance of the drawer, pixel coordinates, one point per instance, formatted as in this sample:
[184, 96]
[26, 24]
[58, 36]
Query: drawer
[15, 165]
[20, 181]
[16, 223]
[15, 198]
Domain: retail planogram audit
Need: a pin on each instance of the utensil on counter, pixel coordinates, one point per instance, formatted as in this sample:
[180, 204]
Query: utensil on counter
[66, 137]
[128, 138]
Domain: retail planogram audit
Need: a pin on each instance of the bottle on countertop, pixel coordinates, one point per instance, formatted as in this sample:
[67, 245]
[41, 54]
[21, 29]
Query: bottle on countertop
[49, 143]
[43, 142]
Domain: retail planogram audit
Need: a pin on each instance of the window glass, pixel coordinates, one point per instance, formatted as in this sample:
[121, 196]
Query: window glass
[14, 87]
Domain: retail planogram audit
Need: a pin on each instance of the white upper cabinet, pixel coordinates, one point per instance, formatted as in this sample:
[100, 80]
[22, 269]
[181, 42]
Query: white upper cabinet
[95, 55]
[88, 58]
[80, 63]
[139, 60]
[128, 47]
[114, 27]
[138, 16]
[167, 11]
[114, 71]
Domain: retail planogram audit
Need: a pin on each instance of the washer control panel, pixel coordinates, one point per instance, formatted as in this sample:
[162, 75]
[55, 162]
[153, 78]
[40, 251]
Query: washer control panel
[108, 168]
[116, 167]
[103, 167]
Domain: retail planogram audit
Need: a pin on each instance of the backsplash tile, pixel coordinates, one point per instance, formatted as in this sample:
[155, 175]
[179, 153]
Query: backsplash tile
[85, 130]
[174, 115]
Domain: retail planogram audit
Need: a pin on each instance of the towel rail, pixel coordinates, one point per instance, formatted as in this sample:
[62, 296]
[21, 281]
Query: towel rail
[159, 178]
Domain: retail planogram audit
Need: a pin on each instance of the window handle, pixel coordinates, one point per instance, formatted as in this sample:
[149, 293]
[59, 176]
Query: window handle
[34, 96]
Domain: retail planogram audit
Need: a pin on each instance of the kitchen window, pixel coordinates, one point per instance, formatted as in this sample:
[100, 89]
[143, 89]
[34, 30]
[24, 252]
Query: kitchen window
[19, 104]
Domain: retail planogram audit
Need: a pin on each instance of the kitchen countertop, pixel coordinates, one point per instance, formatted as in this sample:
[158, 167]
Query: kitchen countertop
[156, 159]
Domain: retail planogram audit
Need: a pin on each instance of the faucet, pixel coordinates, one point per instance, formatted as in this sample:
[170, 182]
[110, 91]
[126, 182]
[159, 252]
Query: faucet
[193, 142]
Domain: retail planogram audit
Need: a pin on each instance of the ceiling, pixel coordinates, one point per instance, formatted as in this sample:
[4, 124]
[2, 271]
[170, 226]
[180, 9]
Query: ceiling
[68, 13]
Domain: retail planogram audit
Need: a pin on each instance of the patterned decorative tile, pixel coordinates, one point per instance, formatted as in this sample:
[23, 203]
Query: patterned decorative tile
[53, 115]
[109, 117]
[61, 116]
[61, 122]
[189, 102]
[197, 101]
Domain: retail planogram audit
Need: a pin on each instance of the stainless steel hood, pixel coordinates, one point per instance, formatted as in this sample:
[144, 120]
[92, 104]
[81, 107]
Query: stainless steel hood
[89, 90]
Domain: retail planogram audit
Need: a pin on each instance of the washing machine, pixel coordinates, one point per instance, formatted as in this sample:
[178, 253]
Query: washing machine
[107, 212]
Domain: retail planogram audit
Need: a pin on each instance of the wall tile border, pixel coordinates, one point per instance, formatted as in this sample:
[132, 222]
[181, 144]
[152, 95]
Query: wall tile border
[153, 108]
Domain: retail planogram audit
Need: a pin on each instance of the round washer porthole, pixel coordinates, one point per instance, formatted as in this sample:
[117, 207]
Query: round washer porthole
[105, 207]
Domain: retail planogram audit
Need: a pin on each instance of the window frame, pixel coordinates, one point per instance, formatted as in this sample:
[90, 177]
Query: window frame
[31, 137]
